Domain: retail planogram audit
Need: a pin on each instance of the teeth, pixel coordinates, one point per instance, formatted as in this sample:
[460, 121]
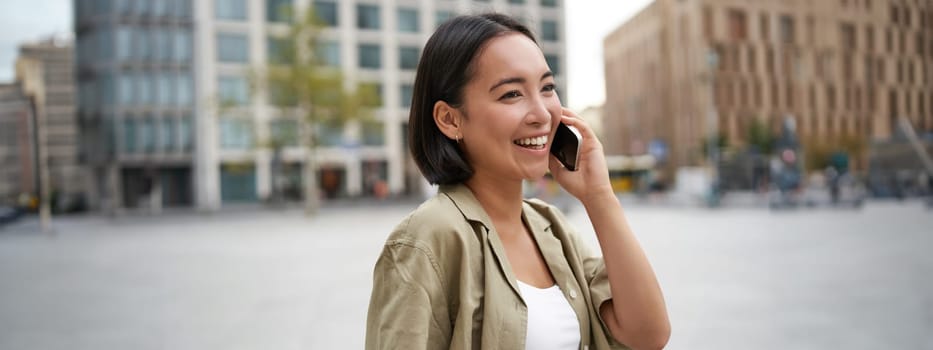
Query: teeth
[532, 141]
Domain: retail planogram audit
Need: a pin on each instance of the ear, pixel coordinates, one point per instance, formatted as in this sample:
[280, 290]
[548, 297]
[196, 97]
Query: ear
[448, 120]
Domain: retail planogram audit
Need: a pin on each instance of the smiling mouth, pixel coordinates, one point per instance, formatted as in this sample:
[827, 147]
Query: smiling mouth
[532, 142]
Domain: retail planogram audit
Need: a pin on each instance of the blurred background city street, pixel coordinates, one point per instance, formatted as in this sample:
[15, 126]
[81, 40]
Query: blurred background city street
[207, 174]
[734, 278]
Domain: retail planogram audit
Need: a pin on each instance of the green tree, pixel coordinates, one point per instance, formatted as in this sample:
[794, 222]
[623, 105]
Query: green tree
[298, 80]
[721, 144]
[760, 136]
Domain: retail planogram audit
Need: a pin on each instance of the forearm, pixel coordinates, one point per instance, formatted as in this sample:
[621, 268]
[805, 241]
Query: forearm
[637, 302]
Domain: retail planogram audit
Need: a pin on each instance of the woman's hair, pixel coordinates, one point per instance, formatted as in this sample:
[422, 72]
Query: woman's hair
[446, 66]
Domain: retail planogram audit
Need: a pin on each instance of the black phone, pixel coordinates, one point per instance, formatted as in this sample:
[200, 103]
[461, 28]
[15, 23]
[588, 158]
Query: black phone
[566, 146]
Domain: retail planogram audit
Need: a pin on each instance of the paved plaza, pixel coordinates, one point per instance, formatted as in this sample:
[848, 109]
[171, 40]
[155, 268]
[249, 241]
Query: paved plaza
[262, 279]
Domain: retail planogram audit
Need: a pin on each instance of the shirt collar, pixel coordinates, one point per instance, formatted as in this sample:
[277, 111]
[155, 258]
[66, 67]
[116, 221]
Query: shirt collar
[472, 210]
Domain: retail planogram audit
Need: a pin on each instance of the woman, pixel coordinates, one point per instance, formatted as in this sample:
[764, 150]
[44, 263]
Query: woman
[479, 267]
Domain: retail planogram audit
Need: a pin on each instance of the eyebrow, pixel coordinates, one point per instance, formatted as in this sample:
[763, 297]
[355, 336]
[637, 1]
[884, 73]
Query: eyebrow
[519, 80]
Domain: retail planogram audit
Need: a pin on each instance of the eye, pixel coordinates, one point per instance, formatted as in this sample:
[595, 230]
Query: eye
[549, 88]
[510, 95]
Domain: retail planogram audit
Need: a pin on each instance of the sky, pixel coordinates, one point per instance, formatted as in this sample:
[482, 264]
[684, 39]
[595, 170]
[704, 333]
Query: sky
[588, 22]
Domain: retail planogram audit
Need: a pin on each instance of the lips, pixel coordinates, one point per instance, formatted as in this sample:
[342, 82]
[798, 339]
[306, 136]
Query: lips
[537, 142]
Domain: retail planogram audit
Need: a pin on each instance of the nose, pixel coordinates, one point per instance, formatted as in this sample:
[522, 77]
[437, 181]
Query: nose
[538, 112]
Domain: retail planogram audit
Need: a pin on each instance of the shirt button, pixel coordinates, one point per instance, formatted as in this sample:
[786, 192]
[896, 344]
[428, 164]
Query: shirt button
[573, 294]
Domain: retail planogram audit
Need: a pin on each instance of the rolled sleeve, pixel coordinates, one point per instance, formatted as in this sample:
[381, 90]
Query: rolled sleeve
[598, 282]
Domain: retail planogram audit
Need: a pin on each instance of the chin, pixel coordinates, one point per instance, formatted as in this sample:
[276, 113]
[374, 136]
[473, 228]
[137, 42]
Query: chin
[535, 174]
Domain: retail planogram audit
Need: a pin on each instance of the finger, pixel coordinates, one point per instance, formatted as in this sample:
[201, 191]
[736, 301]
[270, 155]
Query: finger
[555, 166]
[580, 124]
[570, 112]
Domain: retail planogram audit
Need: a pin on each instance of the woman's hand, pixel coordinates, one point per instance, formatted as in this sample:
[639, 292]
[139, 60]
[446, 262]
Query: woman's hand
[591, 180]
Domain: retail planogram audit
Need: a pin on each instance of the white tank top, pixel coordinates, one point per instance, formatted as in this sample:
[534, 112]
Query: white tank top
[552, 323]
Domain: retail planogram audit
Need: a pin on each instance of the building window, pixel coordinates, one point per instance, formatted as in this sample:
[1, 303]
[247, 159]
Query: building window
[787, 29]
[880, 69]
[408, 57]
[233, 90]
[405, 95]
[184, 93]
[847, 36]
[167, 134]
[919, 44]
[230, 9]
[370, 56]
[372, 92]
[145, 86]
[238, 183]
[870, 38]
[367, 17]
[284, 132]
[160, 7]
[143, 49]
[165, 89]
[441, 16]
[232, 48]
[236, 133]
[186, 133]
[328, 134]
[811, 93]
[181, 46]
[183, 8]
[549, 3]
[888, 41]
[549, 30]
[326, 12]
[278, 50]
[737, 25]
[147, 135]
[124, 43]
[282, 96]
[125, 87]
[129, 135]
[517, 2]
[329, 53]
[279, 10]
[764, 26]
[373, 133]
[553, 62]
[408, 20]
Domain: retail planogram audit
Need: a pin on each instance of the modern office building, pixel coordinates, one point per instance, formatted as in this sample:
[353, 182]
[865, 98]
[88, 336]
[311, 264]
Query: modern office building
[680, 71]
[167, 93]
[136, 100]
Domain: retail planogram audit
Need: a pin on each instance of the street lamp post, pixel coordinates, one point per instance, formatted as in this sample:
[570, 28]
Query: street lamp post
[712, 60]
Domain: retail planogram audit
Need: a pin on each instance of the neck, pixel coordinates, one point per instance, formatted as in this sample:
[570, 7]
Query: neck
[501, 199]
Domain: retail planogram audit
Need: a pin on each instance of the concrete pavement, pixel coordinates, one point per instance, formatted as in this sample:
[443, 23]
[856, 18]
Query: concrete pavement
[733, 278]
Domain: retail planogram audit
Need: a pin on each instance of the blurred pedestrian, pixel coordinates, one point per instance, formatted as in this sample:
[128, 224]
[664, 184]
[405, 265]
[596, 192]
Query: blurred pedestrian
[479, 267]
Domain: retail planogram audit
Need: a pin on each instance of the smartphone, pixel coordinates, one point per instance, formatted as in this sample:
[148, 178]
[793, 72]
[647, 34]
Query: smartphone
[566, 146]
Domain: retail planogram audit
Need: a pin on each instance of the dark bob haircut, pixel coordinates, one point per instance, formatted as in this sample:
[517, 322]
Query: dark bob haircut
[446, 66]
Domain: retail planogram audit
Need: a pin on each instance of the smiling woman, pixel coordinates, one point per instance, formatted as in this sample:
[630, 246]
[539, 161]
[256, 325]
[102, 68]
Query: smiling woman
[477, 266]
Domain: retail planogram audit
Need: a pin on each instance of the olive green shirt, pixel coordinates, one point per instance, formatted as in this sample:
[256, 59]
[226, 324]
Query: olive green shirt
[443, 279]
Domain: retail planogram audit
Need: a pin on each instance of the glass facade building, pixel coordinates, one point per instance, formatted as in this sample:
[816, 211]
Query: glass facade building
[135, 83]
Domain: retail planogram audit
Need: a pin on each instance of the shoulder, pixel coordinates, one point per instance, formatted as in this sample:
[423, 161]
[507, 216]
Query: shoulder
[437, 214]
[435, 227]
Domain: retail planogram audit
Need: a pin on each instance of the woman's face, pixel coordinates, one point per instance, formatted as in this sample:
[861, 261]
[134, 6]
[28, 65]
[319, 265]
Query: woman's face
[512, 110]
